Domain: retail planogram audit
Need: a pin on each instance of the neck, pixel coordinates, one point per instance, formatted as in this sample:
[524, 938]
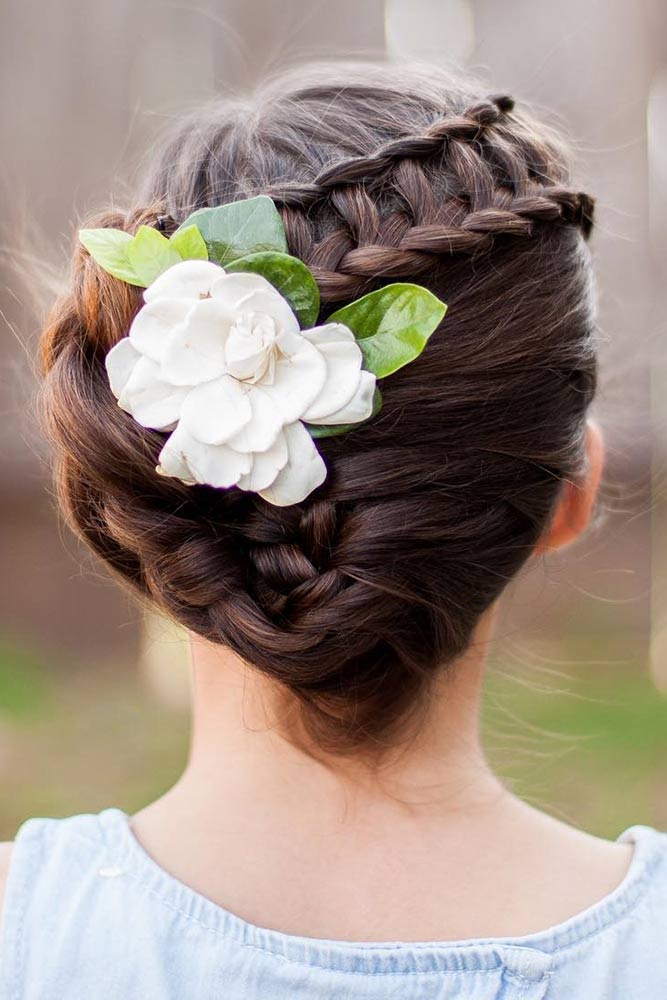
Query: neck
[240, 747]
[423, 845]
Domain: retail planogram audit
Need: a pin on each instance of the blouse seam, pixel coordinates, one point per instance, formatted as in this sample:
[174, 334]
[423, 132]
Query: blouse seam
[500, 967]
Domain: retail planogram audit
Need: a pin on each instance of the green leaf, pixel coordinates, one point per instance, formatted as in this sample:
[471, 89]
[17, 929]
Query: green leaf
[392, 325]
[150, 254]
[189, 243]
[109, 247]
[239, 228]
[290, 277]
[331, 430]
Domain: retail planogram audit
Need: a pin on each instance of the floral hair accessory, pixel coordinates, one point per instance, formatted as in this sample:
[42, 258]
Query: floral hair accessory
[224, 356]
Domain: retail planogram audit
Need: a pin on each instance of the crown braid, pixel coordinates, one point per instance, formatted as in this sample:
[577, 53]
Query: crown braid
[504, 190]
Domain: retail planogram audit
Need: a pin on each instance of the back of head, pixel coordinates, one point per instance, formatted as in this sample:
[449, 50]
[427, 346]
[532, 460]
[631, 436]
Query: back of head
[355, 598]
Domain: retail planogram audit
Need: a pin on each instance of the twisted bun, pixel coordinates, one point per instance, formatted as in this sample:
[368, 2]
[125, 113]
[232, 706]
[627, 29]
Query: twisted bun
[353, 599]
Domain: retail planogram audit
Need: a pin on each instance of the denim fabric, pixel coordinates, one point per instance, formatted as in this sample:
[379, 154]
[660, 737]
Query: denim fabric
[90, 916]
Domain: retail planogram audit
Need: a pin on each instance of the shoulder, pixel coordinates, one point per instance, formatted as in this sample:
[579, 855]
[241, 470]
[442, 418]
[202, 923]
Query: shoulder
[617, 946]
[636, 906]
[46, 856]
[628, 874]
[45, 852]
[56, 893]
[648, 865]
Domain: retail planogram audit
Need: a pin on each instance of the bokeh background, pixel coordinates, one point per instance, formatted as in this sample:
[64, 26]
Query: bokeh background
[93, 698]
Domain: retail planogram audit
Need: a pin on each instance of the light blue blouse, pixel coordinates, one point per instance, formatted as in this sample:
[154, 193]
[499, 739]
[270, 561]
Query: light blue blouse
[90, 916]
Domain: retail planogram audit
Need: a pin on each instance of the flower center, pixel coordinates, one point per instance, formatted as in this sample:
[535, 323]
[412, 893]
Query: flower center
[251, 347]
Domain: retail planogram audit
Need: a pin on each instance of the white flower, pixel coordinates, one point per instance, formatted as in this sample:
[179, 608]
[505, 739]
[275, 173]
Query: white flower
[219, 360]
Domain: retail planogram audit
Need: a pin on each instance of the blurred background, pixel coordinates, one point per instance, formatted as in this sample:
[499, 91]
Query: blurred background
[93, 699]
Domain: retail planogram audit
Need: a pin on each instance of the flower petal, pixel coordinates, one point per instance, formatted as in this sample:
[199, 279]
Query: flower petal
[359, 408]
[298, 377]
[343, 357]
[215, 411]
[305, 469]
[195, 350]
[245, 292]
[120, 362]
[151, 401]
[191, 279]
[265, 424]
[154, 323]
[172, 463]
[212, 465]
[265, 466]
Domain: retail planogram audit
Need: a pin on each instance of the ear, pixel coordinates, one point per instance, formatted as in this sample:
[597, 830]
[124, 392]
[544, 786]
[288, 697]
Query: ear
[577, 500]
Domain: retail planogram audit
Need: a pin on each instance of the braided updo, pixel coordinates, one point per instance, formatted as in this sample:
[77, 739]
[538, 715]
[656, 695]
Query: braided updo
[355, 598]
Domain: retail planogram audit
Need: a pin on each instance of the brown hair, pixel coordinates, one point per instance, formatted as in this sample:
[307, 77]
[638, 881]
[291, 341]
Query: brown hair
[355, 598]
